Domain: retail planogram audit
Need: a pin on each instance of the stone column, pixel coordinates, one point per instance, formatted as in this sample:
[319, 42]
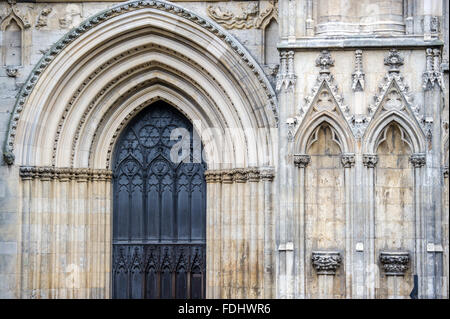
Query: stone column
[418, 161]
[348, 161]
[301, 161]
[370, 161]
[433, 85]
[286, 80]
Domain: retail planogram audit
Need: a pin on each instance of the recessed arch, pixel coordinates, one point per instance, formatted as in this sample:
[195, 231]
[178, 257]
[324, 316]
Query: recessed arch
[47, 118]
[413, 133]
[303, 135]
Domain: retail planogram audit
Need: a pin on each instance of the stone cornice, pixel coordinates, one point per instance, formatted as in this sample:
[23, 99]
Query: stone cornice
[316, 43]
[62, 174]
[239, 175]
[112, 12]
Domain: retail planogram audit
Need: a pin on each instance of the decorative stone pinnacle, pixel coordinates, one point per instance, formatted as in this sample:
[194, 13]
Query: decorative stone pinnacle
[394, 263]
[358, 75]
[393, 61]
[302, 160]
[324, 61]
[326, 262]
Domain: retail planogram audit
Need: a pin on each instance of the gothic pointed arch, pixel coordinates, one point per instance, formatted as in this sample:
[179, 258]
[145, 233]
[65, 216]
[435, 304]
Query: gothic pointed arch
[324, 104]
[141, 47]
[394, 102]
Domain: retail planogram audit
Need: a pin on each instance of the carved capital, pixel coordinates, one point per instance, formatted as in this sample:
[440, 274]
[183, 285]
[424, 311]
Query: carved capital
[418, 159]
[394, 60]
[370, 160]
[445, 171]
[253, 175]
[302, 160]
[27, 172]
[267, 174]
[394, 263]
[348, 160]
[240, 175]
[326, 262]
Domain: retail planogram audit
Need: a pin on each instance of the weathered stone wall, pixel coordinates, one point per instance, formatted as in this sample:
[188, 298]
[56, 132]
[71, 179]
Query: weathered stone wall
[307, 234]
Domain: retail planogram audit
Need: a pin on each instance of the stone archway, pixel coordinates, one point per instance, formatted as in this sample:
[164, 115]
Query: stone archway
[82, 94]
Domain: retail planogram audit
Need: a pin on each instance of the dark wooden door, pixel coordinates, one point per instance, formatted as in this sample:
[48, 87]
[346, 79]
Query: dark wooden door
[159, 214]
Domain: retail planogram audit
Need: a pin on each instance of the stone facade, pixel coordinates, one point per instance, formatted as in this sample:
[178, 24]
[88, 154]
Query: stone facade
[325, 124]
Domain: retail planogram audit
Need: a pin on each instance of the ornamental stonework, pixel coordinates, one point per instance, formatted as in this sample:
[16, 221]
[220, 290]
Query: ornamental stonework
[326, 262]
[395, 263]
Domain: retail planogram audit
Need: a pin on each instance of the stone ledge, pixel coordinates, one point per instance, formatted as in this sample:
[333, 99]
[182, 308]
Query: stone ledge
[359, 42]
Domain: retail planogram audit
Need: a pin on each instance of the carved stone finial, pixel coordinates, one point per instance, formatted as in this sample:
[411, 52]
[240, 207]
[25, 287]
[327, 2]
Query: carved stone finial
[9, 158]
[302, 160]
[394, 263]
[394, 60]
[418, 159]
[370, 160]
[325, 61]
[326, 262]
[348, 160]
[358, 75]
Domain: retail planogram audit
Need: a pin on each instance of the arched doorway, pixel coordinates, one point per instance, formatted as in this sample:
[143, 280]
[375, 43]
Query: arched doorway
[159, 208]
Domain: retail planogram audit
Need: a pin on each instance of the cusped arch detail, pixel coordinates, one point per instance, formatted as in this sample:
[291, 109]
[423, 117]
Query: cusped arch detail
[416, 138]
[338, 126]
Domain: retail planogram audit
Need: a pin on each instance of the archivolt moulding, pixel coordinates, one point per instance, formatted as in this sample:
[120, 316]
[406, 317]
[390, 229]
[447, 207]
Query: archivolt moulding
[123, 8]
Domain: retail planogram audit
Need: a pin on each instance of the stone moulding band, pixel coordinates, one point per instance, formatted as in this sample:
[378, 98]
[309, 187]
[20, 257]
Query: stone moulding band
[112, 12]
[239, 175]
[64, 173]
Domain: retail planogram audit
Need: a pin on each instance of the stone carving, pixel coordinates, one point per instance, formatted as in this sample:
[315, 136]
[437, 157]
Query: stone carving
[8, 157]
[286, 77]
[291, 124]
[325, 92]
[427, 125]
[358, 123]
[249, 16]
[12, 71]
[358, 75]
[393, 92]
[348, 160]
[17, 14]
[71, 17]
[418, 159]
[394, 263]
[42, 19]
[326, 262]
[239, 175]
[370, 160]
[64, 173]
[434, 24]
[394, 60]
[302, 160]
[433, 74]
[111, 13]
[445, 171]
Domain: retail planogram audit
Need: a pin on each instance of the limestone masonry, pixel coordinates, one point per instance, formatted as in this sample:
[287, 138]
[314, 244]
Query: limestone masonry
[318, 132]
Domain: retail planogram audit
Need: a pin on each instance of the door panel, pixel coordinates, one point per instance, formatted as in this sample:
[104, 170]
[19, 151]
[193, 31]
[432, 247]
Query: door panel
[159, 234]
